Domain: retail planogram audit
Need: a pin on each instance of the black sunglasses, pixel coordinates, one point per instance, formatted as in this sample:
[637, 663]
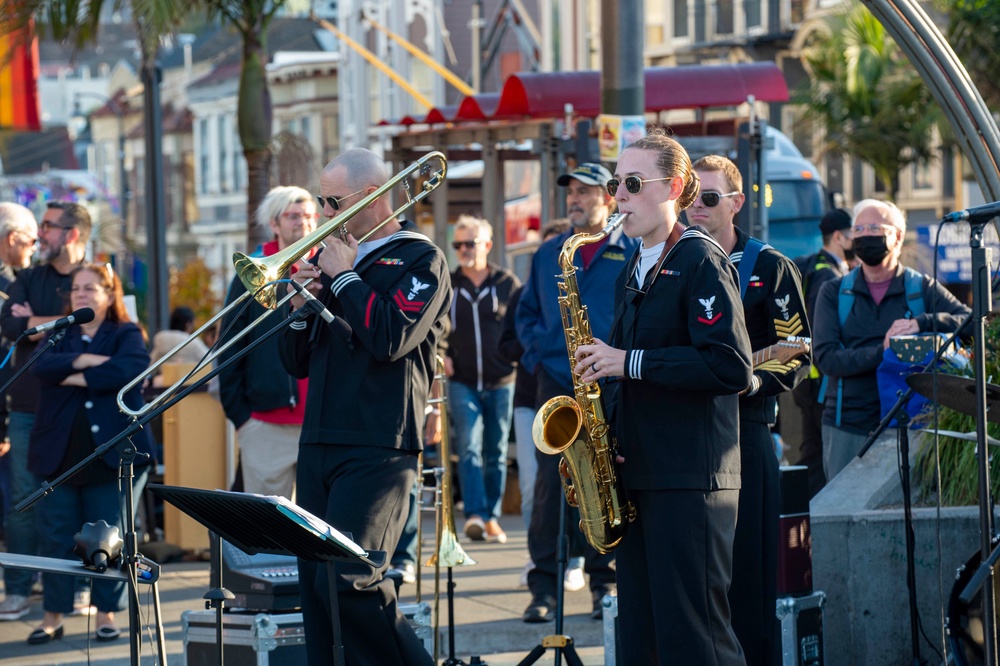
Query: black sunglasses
[46, 225]
[458, 245]
[712, 199]
[334, 202]
[633, 184]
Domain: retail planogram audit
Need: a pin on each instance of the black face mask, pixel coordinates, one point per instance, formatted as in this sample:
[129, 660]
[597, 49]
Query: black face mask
[849, 252]
[871, 249]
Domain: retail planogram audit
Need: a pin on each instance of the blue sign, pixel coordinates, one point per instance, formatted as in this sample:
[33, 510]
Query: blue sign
[954, 256]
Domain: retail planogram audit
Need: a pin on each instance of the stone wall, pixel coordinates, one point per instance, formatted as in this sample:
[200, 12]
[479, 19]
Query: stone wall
[859, 561]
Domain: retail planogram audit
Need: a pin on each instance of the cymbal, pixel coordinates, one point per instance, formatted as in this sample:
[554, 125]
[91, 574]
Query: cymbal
[958, 393]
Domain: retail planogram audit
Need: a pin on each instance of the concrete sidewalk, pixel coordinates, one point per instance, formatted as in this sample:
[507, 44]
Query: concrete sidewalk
[488, 607]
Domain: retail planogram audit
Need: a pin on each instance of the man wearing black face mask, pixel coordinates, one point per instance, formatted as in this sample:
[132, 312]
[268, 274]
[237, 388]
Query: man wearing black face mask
[849, 350]
[832, 261]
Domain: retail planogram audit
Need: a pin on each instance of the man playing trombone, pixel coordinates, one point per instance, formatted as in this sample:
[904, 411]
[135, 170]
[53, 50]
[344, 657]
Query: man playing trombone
[368, 388]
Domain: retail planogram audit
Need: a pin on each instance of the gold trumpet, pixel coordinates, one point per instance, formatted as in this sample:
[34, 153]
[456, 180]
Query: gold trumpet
[260, 275]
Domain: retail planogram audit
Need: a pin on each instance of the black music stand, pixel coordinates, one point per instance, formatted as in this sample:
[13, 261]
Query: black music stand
[269, 524]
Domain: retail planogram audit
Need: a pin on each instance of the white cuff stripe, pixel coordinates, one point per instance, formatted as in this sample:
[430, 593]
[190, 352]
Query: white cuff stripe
[635, 364]
[298, 325]
[339, 283]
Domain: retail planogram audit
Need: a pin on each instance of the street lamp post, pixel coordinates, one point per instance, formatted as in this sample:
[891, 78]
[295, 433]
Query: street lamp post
[122, 255]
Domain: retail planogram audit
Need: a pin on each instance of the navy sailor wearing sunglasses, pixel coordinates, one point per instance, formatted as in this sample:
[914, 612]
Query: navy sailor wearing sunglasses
[774, 309]
[676, 358]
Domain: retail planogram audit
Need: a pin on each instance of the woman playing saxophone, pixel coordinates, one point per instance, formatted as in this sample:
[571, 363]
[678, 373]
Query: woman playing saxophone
[680, 349]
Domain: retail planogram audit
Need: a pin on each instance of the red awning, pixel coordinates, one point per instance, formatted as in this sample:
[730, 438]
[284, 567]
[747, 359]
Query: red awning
[535, 95]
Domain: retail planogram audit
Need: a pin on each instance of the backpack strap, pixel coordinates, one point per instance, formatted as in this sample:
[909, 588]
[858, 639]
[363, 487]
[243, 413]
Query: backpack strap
[914, 282]
[845, 301]
[747, 263]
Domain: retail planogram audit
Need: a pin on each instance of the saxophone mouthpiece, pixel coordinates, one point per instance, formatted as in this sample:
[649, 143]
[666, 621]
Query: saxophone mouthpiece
[615, 221]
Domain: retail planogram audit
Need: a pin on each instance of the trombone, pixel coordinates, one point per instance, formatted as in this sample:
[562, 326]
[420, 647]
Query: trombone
[261, 276]
[448, 551]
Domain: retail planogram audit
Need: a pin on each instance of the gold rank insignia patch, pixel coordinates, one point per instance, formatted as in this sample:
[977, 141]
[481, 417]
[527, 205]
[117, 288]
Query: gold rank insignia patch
[786, 329]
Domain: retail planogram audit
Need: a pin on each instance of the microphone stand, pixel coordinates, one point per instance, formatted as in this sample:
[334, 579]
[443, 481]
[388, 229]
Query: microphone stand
[52, 341]
[122, 441]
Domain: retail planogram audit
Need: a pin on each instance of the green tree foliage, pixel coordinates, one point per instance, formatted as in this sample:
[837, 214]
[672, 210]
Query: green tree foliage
[865, 97]
[190, 286]
[974, 34]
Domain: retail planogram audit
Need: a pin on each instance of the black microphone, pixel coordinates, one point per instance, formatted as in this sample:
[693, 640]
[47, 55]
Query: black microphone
[314, 303]
[317, 306]
[81, 316]
[975, 215]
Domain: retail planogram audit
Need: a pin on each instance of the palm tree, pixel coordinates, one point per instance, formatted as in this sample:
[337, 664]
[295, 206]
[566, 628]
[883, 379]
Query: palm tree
[251, 19]
[78, 23]
[866, 98]
[973, 31]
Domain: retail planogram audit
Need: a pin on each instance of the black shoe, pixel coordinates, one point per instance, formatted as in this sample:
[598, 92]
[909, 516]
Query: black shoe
[41, 635]
[597, 611]
[541, 609]
[107, 632]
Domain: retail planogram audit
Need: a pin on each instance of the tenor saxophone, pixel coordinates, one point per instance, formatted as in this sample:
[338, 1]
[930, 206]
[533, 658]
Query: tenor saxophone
[576, 427]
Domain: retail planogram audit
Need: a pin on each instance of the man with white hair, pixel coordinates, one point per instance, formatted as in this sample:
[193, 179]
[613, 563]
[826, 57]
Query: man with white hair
[18, 237]
[856, 317]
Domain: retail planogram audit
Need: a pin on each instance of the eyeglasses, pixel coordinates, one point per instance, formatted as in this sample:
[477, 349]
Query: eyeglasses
[633, 184]
[334, 202]
[711, 198]
[872, 228]
[26, 240]
[298, 217]
[458, 245]
[46, 226]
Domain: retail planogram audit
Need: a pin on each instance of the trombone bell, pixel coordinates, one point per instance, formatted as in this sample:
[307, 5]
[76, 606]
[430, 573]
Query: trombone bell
[255, 273]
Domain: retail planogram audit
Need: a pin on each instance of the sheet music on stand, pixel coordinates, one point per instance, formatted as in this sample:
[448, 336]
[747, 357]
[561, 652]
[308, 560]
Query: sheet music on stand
[266, 524]
[271, 524]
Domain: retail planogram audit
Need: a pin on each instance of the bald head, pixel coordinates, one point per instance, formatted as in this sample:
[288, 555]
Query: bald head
[359, 168]
[346, 181]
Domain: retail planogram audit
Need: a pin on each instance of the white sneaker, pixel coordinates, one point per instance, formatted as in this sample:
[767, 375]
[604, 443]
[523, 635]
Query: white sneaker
[475, 528]
[529, 565]
[81, 604]
[573, 579]
[14, 607]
